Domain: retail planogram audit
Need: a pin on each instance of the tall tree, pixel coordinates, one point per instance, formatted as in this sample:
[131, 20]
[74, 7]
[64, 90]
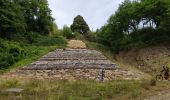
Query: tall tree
[45, 20]
[79, 25]
[37, 15]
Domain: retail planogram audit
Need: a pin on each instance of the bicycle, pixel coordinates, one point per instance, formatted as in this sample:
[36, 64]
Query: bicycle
[164, 74]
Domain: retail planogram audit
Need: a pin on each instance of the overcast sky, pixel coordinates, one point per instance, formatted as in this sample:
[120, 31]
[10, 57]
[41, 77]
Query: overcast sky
[95, 12]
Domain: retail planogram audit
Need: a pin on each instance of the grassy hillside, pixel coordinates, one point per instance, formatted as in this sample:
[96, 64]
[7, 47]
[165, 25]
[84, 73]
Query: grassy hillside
[15, 54]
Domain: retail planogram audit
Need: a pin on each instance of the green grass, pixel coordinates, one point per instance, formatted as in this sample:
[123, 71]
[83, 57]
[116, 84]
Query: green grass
[39, 51]
[104, 49]
[78, 90]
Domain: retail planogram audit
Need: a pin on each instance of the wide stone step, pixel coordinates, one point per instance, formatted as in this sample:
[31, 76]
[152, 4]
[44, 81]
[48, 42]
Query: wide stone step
[71, 58]
[72, 54]
[75, 51]
[79, 50]
[72, 62]
[70, 66]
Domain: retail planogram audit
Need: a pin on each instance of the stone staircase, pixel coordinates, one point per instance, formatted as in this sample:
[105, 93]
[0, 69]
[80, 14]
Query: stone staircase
[72, 59]
[79, 63]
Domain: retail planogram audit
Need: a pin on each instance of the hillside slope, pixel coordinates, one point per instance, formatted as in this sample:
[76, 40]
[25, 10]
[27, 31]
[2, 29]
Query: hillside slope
[150, 59]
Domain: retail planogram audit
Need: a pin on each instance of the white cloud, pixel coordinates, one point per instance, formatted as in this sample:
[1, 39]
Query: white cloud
[95, 12]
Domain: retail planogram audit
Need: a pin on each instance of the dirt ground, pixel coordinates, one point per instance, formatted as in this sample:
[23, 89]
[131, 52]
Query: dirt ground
[149, 60]
[163, 95]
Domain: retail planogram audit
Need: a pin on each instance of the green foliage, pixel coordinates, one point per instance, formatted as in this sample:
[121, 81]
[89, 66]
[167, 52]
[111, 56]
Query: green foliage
[50, 41]
[22, 16]
[91, 36]
[27, 23]
[12, 52]
[102, 48]
[79, 25]
[11, 18]
[55, 30]
[37, 15]
[67, 32]
[37, 39]
[137, 24]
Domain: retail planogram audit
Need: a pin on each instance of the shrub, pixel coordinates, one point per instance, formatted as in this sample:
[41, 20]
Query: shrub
[43, 40]
[91, 36]
[151, 36]
[67, 32]
[153, 82]
[6, 60]
[32, 36]
[49, 41]
[11, 52]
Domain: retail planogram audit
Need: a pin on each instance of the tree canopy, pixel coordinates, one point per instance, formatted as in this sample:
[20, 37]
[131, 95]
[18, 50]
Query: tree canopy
[132, 14]
[11, 18]
[79, 25]
[150, 18]
[23, 16]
